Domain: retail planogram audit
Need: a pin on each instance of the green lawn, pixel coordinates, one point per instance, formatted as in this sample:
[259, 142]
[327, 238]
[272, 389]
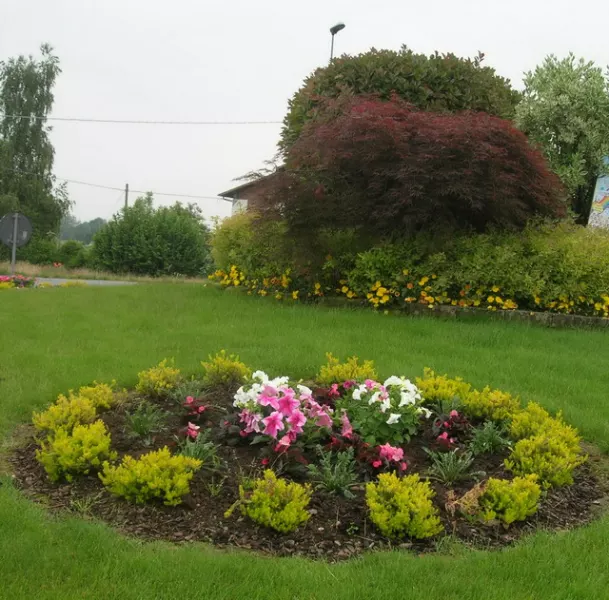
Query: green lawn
[60, 338]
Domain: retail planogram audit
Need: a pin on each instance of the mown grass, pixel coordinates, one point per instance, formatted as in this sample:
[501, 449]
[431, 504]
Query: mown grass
[60, 338]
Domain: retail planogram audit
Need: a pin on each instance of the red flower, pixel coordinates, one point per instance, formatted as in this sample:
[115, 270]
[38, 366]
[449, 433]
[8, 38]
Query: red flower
[377, 463]
[264, 462]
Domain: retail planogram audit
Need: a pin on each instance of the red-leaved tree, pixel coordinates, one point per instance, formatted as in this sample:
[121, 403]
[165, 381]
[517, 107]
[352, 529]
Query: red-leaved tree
[382, 166]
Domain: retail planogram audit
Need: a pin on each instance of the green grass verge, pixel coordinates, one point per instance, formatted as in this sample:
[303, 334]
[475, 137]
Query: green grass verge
[61, 338]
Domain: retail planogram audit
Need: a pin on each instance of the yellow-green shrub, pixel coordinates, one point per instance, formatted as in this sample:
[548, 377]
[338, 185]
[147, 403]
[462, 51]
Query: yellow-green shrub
[101, 395]
[276, 503]
[225, 371]
[79, 452]
[535, 420]
[441, 388]
[157, 474]
[65, 414]
[6, 285]
[510, 501]
[401, 507]
[548, 456]
[159, 380]
[351, 370]
[490, 404]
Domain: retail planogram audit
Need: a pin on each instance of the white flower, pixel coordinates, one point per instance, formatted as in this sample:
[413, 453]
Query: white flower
[407, 398]
[424, 411]
[393, 418]
[374, 398]
[385, 405]
[260, 376]
[304, 390]
[357, 392]
[394, 380]
[279, 381]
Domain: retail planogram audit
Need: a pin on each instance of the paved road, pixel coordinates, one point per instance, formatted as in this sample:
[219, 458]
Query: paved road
[57, 281]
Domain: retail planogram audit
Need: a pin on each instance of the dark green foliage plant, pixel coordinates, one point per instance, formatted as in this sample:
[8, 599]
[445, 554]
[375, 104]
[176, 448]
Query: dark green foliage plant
[141, 239]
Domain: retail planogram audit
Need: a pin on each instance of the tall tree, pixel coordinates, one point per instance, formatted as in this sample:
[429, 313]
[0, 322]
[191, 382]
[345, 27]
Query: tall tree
[26, 152]
[565, 110]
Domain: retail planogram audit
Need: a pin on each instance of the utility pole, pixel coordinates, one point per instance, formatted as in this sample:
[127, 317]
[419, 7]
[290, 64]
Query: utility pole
[126, 195]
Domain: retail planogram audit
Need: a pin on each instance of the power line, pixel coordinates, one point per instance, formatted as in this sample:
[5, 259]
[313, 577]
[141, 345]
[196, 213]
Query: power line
[138, 122]
[118, 189]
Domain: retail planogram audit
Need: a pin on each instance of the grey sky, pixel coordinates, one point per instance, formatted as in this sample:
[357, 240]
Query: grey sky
[241, 60]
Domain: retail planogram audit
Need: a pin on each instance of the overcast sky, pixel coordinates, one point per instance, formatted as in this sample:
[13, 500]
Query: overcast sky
[240, 60]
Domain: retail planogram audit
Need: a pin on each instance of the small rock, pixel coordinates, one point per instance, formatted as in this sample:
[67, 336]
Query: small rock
[313, 512]
[337, 543]
[290, 543]
[320, 529]
[405, 546]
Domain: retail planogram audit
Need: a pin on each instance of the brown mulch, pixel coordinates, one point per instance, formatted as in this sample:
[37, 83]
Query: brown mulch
[338, 528]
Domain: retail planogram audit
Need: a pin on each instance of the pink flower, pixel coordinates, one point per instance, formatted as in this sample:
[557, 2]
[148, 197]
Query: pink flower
[192, 431]
[284, 443]
[347, 430]
[454, 414]
[348, 384]
[273, 423]
[268, 397]
[447, 424]
[376, 463]
[296, 421]
[391, 453]
[251, 420]
[443, 436]
[403, 466]
[288, 404]
[370, 383]
[324, 420]
[189, 400]
[334, 393]
[201, 409]
[264, 462]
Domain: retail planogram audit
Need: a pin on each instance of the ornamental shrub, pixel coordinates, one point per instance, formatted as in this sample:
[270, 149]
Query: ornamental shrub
[101, 395]
[382, 167]
[490, 404]
[65, 414]
[157, 474]
[158, 381]
[548, 456]
[438, 82]
[441, 389]
[79, 452]
[535, 420]
[351, 370]
[276, 503]
[510, 501]
[225, 371]
[401, 507]
[72, 254]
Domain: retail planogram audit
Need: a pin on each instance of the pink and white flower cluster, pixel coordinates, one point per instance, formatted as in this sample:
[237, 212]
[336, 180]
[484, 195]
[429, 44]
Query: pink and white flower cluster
[394, 397]
[271, 407]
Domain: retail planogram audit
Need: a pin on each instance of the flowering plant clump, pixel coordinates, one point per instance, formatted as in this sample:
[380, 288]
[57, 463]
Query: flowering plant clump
[195, 407]
[391, 457]
[447, 428]
[270, 407]
[8, 282]
[384, 412]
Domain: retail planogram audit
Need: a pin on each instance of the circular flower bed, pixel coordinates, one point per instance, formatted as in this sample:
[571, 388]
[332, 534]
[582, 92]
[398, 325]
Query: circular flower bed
[330, 468]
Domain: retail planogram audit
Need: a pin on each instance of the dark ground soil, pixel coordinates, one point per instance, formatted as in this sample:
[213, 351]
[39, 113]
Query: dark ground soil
[338, 528]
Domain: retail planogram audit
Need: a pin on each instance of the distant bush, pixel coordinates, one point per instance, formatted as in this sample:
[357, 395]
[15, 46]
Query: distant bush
[141, 239]
[72, 254]
[39, 251]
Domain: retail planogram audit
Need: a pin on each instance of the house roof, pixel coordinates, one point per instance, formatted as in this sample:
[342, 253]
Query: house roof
[239, 188]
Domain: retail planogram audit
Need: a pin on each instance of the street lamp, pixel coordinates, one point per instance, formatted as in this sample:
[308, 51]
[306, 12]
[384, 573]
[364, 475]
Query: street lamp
[334, 30]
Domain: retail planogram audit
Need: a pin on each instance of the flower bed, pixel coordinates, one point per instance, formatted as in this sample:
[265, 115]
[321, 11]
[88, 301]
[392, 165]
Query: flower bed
[332, 467]
[9, 282]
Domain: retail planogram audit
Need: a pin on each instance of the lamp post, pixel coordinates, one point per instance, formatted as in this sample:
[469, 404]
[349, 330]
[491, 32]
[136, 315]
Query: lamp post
[334, 30]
